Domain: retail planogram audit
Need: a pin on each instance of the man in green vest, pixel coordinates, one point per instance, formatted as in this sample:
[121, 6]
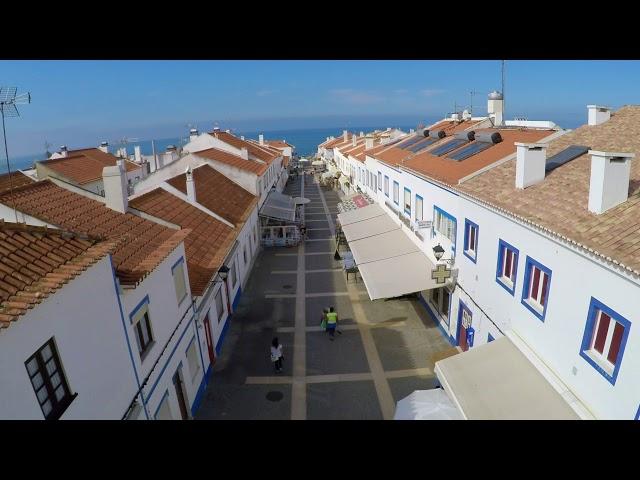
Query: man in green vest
[332, 322]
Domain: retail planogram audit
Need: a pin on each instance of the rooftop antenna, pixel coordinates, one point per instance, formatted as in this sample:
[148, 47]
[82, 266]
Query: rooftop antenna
[124, 141]
[504, 115]
[472, 93]
[46, 148]
[8, 102]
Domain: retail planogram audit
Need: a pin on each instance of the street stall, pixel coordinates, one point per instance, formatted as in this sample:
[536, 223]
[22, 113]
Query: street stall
[280, 220]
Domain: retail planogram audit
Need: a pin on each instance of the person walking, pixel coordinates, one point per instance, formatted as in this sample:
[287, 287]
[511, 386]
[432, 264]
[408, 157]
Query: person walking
[332, 322]
[276, 355]
[323, 319]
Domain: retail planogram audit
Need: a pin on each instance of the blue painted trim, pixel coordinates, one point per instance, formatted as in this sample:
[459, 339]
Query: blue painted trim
[434, 318]
[386, 193]
[379, 180]
[490, 338]
[637, 414]
[201, 389]
[142, 303]
[525, 287]
[236, 299]
[405, 206]
[169, 359]
[126, 336]
[195, 327]
[470, 224]
[394, 192]
[227, 322]
[416, 209]
[502, 243]
[461, 307]
[193, 339]
[166, 394]
[588, 332]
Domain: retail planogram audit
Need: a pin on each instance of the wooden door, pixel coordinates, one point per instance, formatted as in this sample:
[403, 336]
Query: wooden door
[182, 401]
[209, 337]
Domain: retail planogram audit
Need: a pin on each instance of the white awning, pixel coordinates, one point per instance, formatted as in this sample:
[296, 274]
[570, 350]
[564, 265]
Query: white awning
[342, 180]
[496, 381]
[381, 247]
[279, 206]
[427, 405]
[367, 228]
[360, 214]
[318, 163]
[396, 276]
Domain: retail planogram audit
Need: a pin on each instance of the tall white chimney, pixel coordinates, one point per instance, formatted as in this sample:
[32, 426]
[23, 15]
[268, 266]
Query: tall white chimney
[609, 183]
[261, 139]
[598, 114]
[115, 188]
[244, 153]
[345, 136]
[355, 140]
[104, 146]
[191, 187]
[138, 155]
[241, 137]
[63, 150]
[495, 107]
[362, 134]
[193, 134]
[466, 115]
[368, 142]
[531, 160]
[411, 131]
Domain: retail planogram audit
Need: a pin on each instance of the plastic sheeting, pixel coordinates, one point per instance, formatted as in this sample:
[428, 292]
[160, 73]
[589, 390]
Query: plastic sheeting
[427, 405]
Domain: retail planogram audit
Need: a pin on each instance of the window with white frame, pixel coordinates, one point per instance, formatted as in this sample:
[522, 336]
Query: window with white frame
[537, 280]
[379, 180]
[192, 359]
[142, 327]
[48, 381]
[407, 201]
[178, 280]
[444, 224]
[507, 266]
[604, 339]
[374, 185]
[419, 208]
[386, 185]
[396, 193]
[164, 411]
[470, 239]
[219, 305]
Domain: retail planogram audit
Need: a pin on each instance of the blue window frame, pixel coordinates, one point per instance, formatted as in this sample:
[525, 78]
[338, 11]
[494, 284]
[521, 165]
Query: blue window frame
[605, 337]
[380, 181]
[386, 185]
[490, 338]
[407, 201]
[507, 267]
[419, 207]
[471, 231]
[536, 287]
[396, 193]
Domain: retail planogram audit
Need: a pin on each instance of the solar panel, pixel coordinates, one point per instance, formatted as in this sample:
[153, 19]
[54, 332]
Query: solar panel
[409, 142]
[449, 146]
[469, 150]
[420, 145]
[566, 155]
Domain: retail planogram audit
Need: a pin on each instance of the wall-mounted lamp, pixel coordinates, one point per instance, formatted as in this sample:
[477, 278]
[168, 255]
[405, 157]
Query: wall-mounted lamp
[438, 251]
[223, 272]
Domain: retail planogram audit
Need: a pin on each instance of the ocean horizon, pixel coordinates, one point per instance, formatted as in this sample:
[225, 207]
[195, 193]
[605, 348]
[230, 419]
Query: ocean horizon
[306, 143]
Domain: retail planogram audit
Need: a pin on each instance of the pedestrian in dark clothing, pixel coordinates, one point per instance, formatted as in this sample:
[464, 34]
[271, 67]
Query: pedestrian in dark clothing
[276, 355]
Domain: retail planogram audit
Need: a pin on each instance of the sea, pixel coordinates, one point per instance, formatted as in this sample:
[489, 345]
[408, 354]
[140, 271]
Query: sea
[306, 143]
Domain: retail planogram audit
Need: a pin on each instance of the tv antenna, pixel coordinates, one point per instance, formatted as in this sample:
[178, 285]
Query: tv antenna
[125, 141]
[8, 101]
[504, 103]
[46, 148]
[472, 93]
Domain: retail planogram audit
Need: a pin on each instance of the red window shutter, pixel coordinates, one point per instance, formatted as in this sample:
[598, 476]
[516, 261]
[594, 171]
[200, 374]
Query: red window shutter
[536, 282]
[616, 340]
[545, 281]
[601, 334]
[507, 263]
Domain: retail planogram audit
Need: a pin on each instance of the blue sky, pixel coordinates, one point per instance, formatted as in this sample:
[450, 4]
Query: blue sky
[79, 103]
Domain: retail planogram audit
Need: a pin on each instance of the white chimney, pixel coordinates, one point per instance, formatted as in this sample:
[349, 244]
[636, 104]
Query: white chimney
[345, 136]
[261, 139]
[362, 134]
[609, 184]
[466, 115]
[115, 188]
[138, 155]
[411, 131]
[355, 140]
[244, 153]
[455, 117]
[531, 160]
[193, 134]
[104, 146]
[63, 151]
[495, 107]
[241, 137]
[191, 187]
[598, 114]
[328, 138]
[368, 143]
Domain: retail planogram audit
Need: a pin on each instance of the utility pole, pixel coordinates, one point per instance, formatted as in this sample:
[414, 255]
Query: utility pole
[504, 102]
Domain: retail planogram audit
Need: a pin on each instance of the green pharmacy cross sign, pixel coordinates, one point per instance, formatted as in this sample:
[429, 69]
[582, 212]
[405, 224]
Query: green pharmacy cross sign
[441, 273]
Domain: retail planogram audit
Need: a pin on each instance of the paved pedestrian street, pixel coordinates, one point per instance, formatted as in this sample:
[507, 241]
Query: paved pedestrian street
[384, 353]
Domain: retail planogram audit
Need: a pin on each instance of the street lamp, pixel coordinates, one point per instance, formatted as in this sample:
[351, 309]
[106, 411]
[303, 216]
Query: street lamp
[223, 272]
[438, 251]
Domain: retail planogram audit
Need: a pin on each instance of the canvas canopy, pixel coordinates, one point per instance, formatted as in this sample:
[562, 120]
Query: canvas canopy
[427, 405]
[279, 206]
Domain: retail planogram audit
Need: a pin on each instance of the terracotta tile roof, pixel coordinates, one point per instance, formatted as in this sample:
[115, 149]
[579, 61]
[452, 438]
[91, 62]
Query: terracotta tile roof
[278, 143]
[560, 202]
[36, 261]
[371, 152]
[233, 160]
[451, 171]
[253, 149]
[85, 165]
[16, 179]
[338, 141]
[219, 194]
[148, 243]
[208, 243]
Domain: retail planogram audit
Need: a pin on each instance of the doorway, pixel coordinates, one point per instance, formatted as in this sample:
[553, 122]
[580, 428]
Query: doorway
[178, 383]
[209, 337]
[464, 322]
